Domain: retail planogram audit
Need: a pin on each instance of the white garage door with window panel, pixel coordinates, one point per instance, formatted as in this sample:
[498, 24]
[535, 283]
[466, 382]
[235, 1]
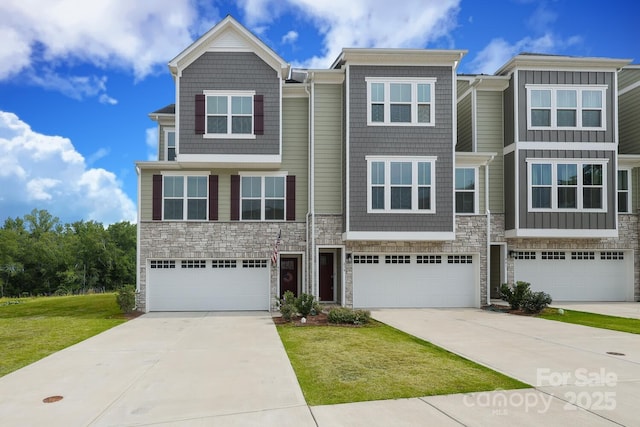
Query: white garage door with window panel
[208, 285]
[422, 280]
[577, 275]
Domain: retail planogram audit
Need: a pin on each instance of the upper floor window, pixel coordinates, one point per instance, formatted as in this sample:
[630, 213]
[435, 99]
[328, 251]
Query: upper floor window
[624, 191]
[184, 197]
[170, 144]
[399, 185]
[400, 101]
[262, 198]
[466, 179]
[567, 185]
[566, 107]
[229, 114]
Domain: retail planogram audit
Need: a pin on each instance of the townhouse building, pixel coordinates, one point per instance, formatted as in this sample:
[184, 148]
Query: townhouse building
[387, 180]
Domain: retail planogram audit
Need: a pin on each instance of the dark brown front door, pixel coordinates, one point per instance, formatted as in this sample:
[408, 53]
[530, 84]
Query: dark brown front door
[288, 275]
[326, 276]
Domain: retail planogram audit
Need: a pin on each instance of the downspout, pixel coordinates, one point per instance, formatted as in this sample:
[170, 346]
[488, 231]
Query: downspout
[488, 213]
[312, 180]
[138, 172]
[309, 204]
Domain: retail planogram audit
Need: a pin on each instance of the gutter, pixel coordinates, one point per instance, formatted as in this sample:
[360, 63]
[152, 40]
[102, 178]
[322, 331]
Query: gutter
[488, 213]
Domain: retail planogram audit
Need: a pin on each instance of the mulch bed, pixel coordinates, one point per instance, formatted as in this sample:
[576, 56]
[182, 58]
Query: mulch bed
[318, 320]
[506, 309]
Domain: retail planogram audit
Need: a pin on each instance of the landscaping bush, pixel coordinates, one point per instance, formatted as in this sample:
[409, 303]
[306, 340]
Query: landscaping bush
[287, 305]
[536, 302]
[516, 294]
[126, 298]
[304, 304]
[344, 315]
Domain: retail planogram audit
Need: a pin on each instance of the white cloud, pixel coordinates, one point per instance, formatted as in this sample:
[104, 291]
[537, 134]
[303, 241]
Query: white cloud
[76, 87]
[363, 23]
[106, 99]
[131, 35]
[290, 37]
[102, 152]
[47, 172]
[499, 51]
[151, 139]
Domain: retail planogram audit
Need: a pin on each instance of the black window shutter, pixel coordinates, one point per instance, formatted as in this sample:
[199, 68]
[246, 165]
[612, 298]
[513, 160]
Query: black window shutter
[258, 114]
[156, 208]
[200, 114]
[291, 198]
[235, 197]
[213, 197]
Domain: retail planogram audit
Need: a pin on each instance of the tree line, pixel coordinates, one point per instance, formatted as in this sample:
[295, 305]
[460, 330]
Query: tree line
[41, 256]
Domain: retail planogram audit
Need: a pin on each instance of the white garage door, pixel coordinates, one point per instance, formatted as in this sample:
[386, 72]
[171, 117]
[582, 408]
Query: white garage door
[389, 281]
[577, 275]
[208, 285]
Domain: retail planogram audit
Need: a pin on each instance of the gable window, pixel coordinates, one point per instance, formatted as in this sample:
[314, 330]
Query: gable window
[184, 197]
[466, 190]
[400, 101]
[624, 193]
[401, 185]
[229, 114]
[567, 185]
[170, 144]
[262, 198]
[565, 107]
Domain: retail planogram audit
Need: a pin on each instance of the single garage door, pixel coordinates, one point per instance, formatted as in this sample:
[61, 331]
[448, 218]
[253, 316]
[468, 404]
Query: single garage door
[390, 281]
[577, 275]
[208, 285]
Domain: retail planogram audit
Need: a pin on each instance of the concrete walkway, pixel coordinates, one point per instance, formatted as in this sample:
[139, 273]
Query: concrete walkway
[620, 309]
[187, 369]
[576, 381]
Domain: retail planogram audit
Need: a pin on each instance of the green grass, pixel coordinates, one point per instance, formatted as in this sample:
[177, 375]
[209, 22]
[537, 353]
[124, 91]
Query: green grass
[622, 324]
[36, 327]
[341, 364]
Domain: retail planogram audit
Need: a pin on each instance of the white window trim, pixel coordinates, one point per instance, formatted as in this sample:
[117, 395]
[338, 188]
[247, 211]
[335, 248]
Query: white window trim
[628, 190]
[229, 95]
[476, 198]
[553, 108]
[185, 198]
[414, 100]
[166, 143]
[262, 176]
[414, 184]
[554, 184]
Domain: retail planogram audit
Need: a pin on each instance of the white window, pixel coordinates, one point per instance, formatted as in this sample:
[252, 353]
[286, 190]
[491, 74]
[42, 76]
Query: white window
[466, 195]
[400, 101]
[262, 198]
[170, 144]
[401, 185]
[566, 107]
[229, 114]
[624, 191]
[569, 185]
[184, 197]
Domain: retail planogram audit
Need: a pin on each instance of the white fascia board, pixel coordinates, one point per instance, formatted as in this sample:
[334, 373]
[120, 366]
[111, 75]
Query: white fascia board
[376, 56]
[210, 161]
[491, 83]
[629, 160]
[295, 90]
[551, 62]
[327, 76]
[407, 236]
[473, 159]
[578, 146]
[555, 233]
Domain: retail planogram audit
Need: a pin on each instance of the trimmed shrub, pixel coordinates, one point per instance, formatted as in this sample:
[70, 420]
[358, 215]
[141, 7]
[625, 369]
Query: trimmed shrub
[515, 295]
[287, 305]
[126, 298]
[348, 316]
[304, 304]
[536, 302]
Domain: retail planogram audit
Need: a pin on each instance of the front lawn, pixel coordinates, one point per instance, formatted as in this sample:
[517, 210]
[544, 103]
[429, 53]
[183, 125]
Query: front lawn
[344, 364]
[32, 328]
[622, 324]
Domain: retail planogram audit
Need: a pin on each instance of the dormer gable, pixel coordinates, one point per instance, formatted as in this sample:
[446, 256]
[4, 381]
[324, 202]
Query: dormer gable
[229, 36]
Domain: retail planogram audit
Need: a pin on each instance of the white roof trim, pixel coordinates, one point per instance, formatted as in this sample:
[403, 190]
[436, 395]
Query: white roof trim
[552, 61]
[229, 36]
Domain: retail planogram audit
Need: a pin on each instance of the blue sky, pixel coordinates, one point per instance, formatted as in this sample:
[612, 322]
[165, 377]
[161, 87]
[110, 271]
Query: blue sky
[78, 78]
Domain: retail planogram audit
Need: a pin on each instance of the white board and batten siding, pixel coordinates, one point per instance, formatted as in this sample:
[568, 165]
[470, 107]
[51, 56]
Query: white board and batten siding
[415, 280]
[208, 285]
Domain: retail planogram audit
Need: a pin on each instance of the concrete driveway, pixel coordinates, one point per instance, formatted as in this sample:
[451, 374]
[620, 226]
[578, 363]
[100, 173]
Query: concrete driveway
[187, 369]
[576, 381]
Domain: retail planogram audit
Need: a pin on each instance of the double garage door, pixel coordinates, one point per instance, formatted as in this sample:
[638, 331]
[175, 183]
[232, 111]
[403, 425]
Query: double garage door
[208, 285]
[577, 275]
[417, 280]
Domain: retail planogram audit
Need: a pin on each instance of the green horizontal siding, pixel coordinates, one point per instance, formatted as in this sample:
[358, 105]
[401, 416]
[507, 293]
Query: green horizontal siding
[328, 148]
[490, 139]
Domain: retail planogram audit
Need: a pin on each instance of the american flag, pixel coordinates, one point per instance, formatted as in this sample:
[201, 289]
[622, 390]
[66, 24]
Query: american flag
[274, 255]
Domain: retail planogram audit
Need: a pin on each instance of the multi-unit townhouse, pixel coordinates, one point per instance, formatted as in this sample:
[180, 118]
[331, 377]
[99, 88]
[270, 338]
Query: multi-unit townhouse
[386, 180]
